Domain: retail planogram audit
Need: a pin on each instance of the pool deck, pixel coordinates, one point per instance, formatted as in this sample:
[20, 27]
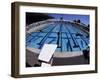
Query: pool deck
[68, 58]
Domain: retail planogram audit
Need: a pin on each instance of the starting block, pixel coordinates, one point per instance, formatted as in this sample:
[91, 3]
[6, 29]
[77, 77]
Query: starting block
[46, 54]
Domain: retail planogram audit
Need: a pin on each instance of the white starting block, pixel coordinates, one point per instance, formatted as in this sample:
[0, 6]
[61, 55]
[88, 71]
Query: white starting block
[47, 53]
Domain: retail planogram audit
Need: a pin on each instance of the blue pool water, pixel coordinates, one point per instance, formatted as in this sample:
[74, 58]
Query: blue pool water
[67, 36]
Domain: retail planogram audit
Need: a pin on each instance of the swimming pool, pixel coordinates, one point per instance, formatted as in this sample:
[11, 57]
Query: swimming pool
[68, 36]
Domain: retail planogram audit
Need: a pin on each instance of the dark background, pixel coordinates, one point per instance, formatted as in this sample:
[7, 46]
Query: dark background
[35, 17]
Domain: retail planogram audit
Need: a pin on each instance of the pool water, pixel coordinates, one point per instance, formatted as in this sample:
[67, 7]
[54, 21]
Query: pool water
[67, 36]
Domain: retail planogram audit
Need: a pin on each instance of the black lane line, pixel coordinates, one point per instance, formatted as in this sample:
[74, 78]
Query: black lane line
[28, 41]
[61, 35]
[81, 36]
[27, 36]
[45, 37]
[32, 40]
[59, 41]
[58, 35]
[76, 39]
[82, 43]
[33, 36]
[68, 43]
[75, 45]
[69, 48]
[84, 40]
[80, 28]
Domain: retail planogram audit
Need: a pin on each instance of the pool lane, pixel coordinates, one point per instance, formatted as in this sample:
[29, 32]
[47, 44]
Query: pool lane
[83, 41]
[70, 30]
[66, 35]
[41, 43]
